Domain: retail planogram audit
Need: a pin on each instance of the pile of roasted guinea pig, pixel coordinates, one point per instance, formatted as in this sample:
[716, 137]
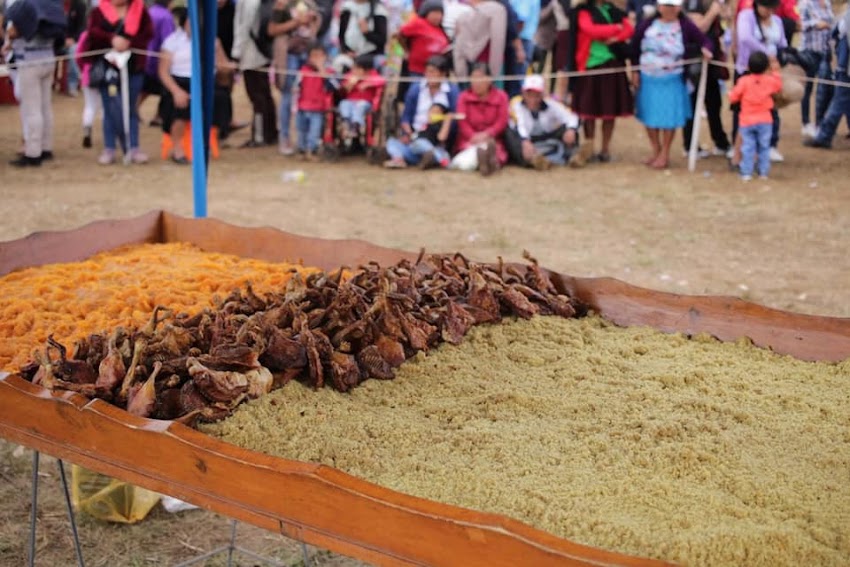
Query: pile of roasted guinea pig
[336, 329]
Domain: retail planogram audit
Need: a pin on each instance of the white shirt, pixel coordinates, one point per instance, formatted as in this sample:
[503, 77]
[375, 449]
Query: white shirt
[549, 119]
[426, 101]
[179, 45]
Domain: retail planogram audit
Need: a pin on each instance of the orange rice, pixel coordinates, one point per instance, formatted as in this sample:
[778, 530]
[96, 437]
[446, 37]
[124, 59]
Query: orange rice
[119, 287]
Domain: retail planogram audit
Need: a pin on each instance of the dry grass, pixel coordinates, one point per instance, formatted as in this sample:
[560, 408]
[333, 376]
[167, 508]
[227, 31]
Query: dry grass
[782, 243]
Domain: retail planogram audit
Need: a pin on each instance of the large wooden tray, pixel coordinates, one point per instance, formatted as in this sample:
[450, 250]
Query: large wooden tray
[316, 503]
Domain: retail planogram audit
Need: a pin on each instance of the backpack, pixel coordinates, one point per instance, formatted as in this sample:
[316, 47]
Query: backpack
[262, 40]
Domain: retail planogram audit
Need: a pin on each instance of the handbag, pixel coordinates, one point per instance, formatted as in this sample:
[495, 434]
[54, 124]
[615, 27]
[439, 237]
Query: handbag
[98, 72]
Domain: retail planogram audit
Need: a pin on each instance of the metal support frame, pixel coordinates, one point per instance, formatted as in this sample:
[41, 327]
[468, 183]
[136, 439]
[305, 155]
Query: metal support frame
[230, 548]
[34, 505]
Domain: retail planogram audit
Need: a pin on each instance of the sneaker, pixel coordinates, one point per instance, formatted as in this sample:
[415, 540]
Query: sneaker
[702, 153]
[730, 153]
[285, 149]
[87, 137]
[25, 161]
[809, 131]
[395, 163]
[719, 152]
[746, 178]
[46, 155]
[137, 156]
[107, 157]
[816, 143]
[775, 156]
[428, 161]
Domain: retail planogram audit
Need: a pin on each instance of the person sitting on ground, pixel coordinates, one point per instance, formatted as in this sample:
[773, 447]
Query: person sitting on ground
[480, 139]
[419, 99]
[754, 92]
[360, 87]
[430, 142]
[314, 92]
[545, 131]
[175, 74]
[840, 104]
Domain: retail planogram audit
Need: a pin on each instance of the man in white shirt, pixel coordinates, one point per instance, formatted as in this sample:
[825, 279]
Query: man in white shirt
[246, 27]
[544, 131]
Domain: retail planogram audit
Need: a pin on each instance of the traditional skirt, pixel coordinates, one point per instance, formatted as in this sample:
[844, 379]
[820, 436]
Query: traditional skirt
[603, 96]
[663, 101]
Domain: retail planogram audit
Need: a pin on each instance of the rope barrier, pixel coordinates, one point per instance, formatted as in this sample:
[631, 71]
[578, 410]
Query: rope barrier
[397, 79]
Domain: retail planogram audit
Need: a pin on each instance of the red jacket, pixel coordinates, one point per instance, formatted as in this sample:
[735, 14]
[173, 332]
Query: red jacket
[488, 114]
[367, 88]
[314, 94]
[101, 32]
[423, 41]
[589, 31]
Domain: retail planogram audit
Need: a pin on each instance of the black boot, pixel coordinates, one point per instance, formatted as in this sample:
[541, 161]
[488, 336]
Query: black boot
[26, 161]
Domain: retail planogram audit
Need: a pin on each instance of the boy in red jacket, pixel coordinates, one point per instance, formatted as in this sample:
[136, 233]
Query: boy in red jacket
[361, 86]
[754, 91]
[313, 99]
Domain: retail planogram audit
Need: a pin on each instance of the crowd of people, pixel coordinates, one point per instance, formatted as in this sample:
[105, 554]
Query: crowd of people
[471, 96]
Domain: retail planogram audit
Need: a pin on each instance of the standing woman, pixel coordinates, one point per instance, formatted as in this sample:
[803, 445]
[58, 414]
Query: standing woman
[663, 103]
[758, 29]
[602, 29]
[121, 25]
[362, 28]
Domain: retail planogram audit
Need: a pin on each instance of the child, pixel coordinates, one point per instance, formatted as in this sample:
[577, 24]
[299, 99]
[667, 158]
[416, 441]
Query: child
[360, 86]
[754, 92]
[313, 95]
[430, 142]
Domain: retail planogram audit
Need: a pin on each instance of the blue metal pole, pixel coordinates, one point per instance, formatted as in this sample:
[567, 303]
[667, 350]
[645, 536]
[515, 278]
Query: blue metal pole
[196, 108]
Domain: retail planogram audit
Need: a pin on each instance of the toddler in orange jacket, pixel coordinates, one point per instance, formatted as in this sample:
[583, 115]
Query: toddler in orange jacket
[754, 92]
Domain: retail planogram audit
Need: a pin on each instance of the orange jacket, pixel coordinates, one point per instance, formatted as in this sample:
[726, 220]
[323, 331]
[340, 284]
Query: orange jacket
[755, 93]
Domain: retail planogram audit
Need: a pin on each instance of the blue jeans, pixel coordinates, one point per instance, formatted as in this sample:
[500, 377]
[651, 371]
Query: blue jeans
[355, 111]
[113, 116]
[838, 107]
[73, 70]
[294, 61]
[412, 153]
[823, 95]
[755, 140]
[309, 126]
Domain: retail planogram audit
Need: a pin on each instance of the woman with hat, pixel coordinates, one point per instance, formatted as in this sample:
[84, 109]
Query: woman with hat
[663, 104]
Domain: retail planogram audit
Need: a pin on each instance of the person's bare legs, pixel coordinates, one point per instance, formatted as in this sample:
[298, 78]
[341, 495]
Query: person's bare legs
[607, 133]
[586, 150]
[178, 128]
[663, 160]
[655, 142]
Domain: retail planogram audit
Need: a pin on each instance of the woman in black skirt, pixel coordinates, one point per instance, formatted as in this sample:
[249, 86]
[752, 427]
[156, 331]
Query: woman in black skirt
[601, 41]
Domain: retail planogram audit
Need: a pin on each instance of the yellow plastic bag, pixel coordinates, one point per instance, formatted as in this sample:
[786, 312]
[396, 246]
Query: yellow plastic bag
[108, 499]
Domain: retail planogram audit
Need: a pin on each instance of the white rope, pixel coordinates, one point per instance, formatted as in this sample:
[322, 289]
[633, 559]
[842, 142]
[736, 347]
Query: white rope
[393, 79]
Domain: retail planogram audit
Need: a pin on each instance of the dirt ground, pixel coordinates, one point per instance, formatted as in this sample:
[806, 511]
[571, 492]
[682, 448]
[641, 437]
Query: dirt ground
[782, 243]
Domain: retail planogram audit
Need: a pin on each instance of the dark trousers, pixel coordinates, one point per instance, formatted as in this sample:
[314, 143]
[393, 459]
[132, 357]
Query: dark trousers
[820, 69]
[264, 122]
[713, 106]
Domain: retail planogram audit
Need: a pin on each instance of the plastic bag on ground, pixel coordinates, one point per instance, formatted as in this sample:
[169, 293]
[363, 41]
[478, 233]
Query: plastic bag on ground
[108, 499]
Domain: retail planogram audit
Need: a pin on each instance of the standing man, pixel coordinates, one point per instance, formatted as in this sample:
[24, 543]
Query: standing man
[708, 15]
[163, 26]
[32, 29]
[252, 63]
[840, 105]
